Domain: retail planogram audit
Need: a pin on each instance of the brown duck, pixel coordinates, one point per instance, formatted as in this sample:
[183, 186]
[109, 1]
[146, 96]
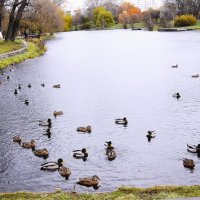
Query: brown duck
[64, 171]
[188, 163]
[89, 181]
[17, 139]
[29, 145]
[41, 152]
[87, 129]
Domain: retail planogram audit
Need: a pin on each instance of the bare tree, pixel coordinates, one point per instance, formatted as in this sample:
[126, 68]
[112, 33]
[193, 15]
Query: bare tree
[2, 2]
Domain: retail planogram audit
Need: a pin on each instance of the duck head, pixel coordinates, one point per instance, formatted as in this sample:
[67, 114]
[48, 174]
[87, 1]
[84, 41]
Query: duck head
[95, 178]
[109, 143]
[124, 119]
[60, 162]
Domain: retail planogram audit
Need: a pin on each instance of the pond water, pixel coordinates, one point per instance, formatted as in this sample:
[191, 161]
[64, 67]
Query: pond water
[104, 75]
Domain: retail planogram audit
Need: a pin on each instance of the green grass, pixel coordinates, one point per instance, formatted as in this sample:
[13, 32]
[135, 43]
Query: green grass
[34, 50]
[196, 26]
[123, 193]
[10, 46]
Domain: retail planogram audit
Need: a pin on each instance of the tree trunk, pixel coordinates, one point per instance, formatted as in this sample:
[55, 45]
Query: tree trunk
[20, 11]
[11, 21]
[1, 12]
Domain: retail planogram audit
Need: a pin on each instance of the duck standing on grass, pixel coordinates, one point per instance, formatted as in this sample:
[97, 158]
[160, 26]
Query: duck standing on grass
[83, 154]
[123, 121]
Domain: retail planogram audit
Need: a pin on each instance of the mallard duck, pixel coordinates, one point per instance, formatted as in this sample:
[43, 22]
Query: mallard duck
[64, 171]
[15, 92]
[176, 95]
[56, 86]
[151, 134]
[84, 129]
[111, 154]
[89, 181]
[8, 77]
[174, 66]
[17, 139]
[43, 85]
[52, 166]
[195, 76]
[29, 85]
[29, 145]
[188, 163]
[123, 121]
[57, 113]
[19, 87]
[80, 154]
[41, 152]
[26, 102]
[48, 123]
[193, 148]
[108, 146]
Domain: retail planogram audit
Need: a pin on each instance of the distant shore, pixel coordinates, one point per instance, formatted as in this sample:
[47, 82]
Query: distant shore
[123, 193]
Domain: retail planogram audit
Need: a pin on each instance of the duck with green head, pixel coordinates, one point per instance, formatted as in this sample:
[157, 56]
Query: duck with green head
[83, 154]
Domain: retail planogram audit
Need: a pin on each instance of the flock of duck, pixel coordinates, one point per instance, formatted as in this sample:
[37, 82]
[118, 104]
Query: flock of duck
[83, 154]
[188, 163]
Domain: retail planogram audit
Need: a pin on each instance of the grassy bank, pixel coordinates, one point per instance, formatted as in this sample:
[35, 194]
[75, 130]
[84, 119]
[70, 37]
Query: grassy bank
[10, 46]
[35, 48]
[123, 193]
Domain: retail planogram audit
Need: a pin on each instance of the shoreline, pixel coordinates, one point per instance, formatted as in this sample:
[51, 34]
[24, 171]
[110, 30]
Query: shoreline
[35, 49]
[122, 193]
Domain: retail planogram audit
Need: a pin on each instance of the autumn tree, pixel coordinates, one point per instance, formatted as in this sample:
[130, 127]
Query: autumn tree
[129, 14]
[102, 17]
[67, 22]
[148, 20]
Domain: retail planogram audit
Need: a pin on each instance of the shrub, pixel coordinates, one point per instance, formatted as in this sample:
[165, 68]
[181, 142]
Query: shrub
[185, 20]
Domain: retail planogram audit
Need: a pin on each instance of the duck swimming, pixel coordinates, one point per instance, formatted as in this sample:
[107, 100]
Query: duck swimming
[17, 139]
[48, 123]
[41, 153]
[57, 113]
[56, 86]
[193, 148]
[52, 166]
[188, 163]
[123, 121]
[19, 87]
[29, 145]
[111, 154]
[89, 182]
[80, 154]
[8, 77]
[26, 102]
[43, 85]
[29, 85]
[64, 171]
[195, 76]
[176, 95]
[151, 134]
[15, 92]
[174, 66]
[84, 129]
[108, 146]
